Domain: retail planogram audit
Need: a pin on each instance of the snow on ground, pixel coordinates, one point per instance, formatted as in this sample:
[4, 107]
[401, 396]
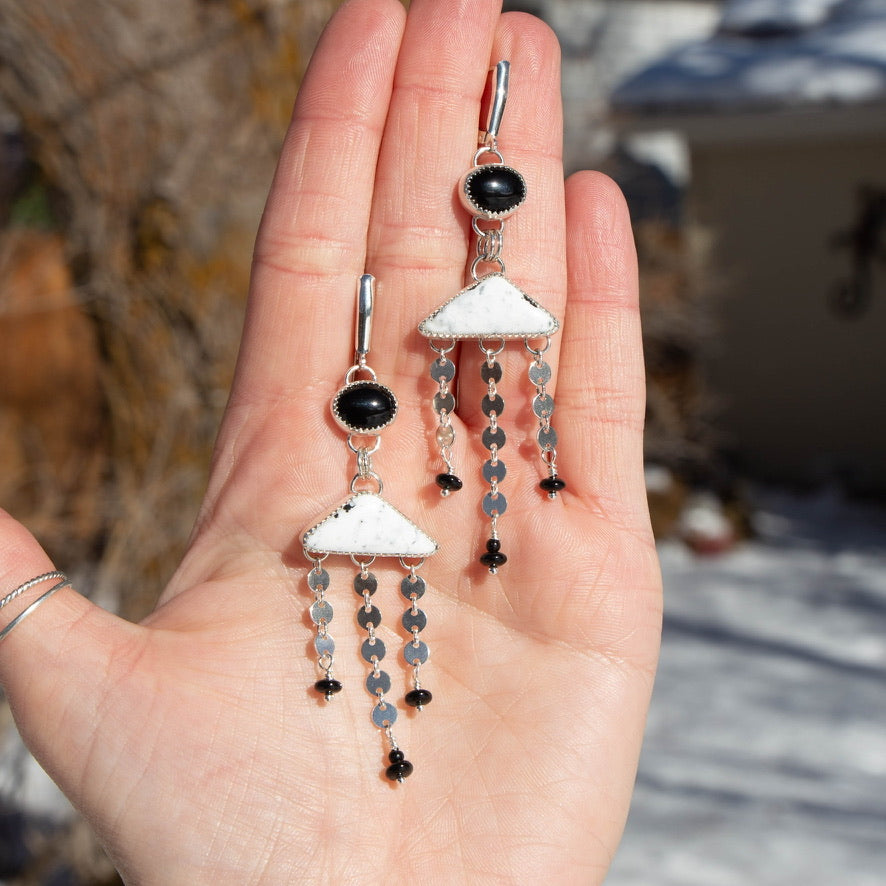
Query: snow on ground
[765, 756]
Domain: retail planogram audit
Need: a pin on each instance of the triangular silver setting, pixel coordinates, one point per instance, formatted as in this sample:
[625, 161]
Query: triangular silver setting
[366, 525]
[493, 307]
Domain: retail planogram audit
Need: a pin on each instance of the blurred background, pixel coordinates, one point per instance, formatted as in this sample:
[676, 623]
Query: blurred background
[137, 143]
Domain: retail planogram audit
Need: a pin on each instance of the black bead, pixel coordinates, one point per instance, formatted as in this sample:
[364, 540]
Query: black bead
[493, 559]
[328, 687]
[396, 756]
[494, 190]
[493, 545]
[552, 484]
[448, 482]
[399, 771]
[418, 698]
[364, 407]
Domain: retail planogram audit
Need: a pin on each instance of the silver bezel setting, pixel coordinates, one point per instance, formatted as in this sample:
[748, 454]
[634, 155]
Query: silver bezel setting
[478, 211]
[355, 429]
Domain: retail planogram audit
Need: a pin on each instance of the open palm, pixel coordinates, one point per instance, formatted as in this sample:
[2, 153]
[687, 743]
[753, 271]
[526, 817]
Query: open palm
[194, 742]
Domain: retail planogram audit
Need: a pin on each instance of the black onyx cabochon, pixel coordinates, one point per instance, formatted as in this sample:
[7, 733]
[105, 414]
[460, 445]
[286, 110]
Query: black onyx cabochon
[493, 190]
[364, 407]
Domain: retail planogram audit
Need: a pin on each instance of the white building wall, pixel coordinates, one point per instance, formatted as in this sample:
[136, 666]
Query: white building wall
[603, 42]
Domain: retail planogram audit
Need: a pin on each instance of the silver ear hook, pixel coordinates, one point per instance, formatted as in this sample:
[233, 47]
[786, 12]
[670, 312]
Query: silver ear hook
[501, 74]
[365, 291]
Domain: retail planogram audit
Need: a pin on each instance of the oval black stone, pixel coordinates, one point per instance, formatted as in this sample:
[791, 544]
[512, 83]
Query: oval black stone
[418, 698]
[449, 482]
[552, 484]
[493, 545]
[399, 771]
[364, 407]
[495, 190]
[396, 756]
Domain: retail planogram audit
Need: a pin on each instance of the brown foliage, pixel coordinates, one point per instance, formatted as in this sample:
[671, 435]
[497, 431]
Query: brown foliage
[53, 445]
[158, 123]
[675, 294]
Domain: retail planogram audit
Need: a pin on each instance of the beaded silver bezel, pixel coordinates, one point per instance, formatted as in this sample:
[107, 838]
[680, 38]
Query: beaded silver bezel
[506, 292]
[477, 210]
[421, 546]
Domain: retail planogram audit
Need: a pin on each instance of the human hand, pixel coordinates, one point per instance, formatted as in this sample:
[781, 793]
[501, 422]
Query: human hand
[194, 742]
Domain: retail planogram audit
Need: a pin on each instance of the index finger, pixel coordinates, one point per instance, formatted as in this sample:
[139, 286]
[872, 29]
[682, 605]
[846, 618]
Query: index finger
[312, 242]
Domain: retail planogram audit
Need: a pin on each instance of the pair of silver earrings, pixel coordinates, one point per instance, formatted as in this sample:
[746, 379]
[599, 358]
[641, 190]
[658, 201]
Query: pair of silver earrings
[490, 311]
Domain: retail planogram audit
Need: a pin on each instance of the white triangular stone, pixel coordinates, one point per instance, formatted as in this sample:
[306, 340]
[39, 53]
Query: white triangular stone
[491, 308]
[367, 525]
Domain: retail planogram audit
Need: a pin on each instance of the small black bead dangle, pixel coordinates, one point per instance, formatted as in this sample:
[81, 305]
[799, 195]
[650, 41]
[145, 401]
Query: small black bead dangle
[543, 407]
[321, 615]
[443, 372]
[364, 527]
[414, 620]
[492, 311]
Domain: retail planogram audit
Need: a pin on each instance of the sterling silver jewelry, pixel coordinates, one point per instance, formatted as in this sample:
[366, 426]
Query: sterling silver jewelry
[64, 583]
[492, 311]
[364, 527]
[47, 576]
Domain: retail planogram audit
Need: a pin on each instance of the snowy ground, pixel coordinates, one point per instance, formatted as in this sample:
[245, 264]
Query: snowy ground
[765, 757]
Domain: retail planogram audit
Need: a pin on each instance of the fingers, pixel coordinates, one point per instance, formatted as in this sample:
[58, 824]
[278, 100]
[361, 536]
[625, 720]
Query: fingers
[418, 237]
[420, 234]
[54, 662]
[531, 140]
[601, 388]
[534, 250]
[311, 245]
[382, 131]
[298, 336]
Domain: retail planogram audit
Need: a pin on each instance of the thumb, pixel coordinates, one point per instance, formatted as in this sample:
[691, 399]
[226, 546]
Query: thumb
[55, 663]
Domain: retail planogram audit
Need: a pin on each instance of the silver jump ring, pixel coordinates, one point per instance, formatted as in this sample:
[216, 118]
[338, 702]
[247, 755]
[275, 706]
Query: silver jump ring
[24, 614]
[487, 149]
[537, 352]
[480, 260]
[362, 566]
[411, 567]
[489, 246]
[480, 232]
[491, 352]
[47, 576]
[369, 475]
[441, 349]
[366, 450]
[357, 367]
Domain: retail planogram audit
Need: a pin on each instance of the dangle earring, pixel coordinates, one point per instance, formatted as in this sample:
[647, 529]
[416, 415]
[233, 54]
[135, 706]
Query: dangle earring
[364, 527]
[491, 311]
